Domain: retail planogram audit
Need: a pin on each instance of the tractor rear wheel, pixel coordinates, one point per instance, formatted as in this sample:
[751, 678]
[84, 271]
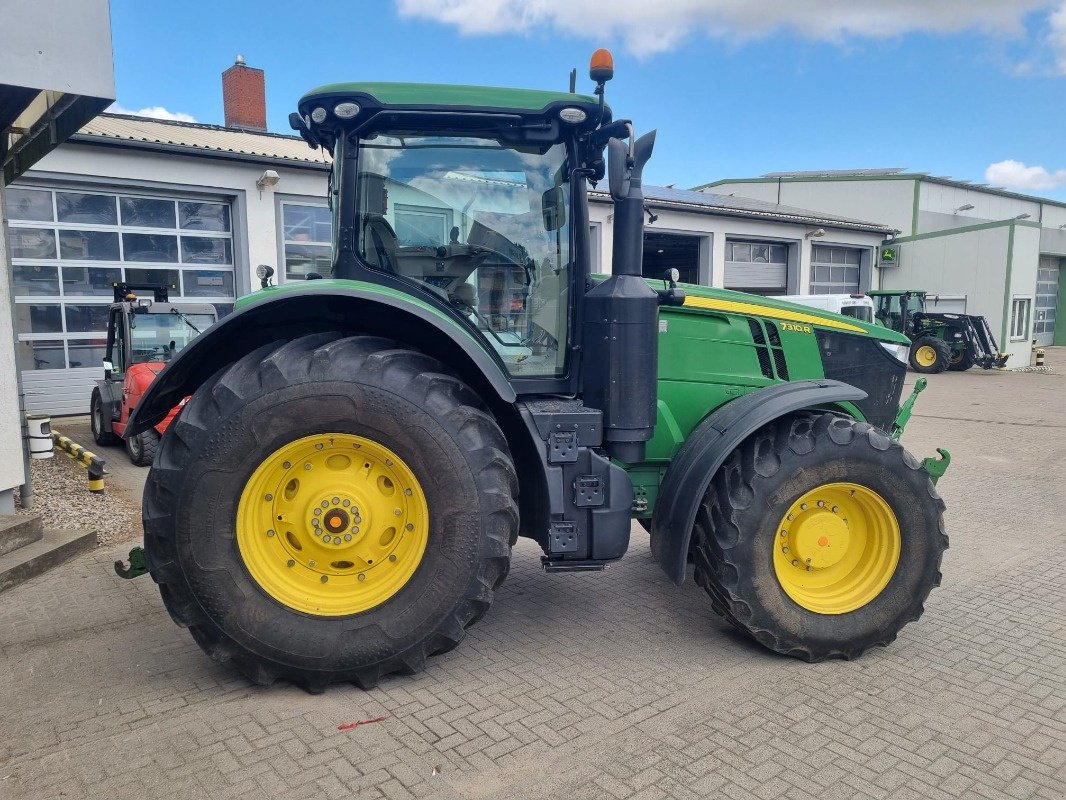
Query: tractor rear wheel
[961, 360]
[930, 355]
[100, 427]
[331, 509]
[141, 447]
[820, 537]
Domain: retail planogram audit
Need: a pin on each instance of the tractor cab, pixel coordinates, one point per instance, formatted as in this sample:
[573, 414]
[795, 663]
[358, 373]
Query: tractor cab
[896, 309]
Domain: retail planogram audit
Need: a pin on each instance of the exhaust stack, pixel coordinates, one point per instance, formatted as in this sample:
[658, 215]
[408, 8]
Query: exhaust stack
[621, 317]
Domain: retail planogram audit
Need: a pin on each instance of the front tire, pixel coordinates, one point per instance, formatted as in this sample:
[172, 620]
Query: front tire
[101, 428]
[930, 355]
[820, 537]
[429, 505]
[141, 447]
[962, 360]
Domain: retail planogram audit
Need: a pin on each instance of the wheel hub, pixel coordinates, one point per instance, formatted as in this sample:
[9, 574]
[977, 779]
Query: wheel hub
[836, 548]
[332, 524]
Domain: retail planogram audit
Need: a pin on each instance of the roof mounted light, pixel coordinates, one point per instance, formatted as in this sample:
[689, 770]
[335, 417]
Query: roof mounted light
[318, 115]
[345, 110]
[601, 66]
[573, 115]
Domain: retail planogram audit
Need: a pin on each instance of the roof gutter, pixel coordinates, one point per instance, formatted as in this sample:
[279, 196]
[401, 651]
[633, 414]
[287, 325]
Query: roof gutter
[197, 152]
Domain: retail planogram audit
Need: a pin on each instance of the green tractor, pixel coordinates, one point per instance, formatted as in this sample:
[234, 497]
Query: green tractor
[939, 340]
[339, 498]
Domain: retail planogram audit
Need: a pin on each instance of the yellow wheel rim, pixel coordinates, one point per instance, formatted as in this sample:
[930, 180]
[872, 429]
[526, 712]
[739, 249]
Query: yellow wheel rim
[836, 548]
[925, 355]
[332, 524]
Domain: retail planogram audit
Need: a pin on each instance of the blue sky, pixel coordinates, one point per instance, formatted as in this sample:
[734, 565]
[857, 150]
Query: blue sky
[735, 89]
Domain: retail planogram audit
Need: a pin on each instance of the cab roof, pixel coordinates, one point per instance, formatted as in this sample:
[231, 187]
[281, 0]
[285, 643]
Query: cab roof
[432, 96]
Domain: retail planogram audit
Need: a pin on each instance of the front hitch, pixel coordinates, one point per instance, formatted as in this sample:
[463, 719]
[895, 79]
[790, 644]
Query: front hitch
[934, 467]
[138, 565]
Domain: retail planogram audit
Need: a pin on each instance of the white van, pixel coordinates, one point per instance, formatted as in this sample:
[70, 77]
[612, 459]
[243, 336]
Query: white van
[858, 306]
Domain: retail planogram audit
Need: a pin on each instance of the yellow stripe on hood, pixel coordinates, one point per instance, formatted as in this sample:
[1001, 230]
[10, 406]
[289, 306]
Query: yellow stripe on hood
[737, 307]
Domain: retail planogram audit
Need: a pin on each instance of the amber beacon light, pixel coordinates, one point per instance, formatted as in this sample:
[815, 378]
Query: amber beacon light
[601, 66]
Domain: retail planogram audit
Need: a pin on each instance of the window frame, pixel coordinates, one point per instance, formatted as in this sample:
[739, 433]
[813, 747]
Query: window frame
[299, 200]
[1025, 303]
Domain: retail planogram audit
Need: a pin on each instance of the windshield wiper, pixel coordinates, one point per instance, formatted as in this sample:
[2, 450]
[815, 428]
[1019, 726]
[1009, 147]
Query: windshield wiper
[184, 319]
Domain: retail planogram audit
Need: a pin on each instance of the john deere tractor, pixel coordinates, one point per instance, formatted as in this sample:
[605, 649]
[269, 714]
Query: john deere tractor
[339, 498]
[939, 340]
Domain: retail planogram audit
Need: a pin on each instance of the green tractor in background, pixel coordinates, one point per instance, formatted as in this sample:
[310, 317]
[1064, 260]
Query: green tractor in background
[939, 340]
[339, 498]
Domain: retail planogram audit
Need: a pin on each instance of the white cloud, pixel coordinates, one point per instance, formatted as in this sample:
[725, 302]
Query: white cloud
[1056, 37]
[650, 27]
[154, 112]
[1016, 175]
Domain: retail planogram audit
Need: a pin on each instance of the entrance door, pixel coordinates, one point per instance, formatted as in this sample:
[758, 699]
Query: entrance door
[1047, 299]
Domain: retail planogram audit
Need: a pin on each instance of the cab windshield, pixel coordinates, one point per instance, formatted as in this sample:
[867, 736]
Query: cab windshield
[159, 337]
[482, 224]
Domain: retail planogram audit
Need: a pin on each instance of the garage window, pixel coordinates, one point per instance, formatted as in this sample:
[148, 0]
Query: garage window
[835, 270]
[307, 240]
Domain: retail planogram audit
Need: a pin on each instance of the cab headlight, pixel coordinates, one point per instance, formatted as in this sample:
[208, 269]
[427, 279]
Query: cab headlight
[346, 110]
[897, 351]
[572, 115]
[318, 115]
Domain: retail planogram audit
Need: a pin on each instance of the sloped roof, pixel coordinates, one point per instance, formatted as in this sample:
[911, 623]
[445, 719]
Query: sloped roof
[194, 138]
[729, 205]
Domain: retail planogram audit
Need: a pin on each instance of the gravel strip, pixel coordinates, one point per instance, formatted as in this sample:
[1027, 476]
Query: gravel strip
[61, 496]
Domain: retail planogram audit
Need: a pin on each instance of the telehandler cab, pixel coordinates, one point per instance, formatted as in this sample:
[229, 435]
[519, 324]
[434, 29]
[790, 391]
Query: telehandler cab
[143, 335]
[339, 498]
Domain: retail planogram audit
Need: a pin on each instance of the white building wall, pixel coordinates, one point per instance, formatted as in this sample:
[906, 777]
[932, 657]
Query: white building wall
[11, 461]
[255, 221]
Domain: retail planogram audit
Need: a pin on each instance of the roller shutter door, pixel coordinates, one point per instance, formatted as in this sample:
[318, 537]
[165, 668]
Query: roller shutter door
[835, 270]
[756, 266]
[67, 248]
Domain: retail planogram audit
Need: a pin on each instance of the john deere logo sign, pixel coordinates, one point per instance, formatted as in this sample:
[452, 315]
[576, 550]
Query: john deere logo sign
[889, 256]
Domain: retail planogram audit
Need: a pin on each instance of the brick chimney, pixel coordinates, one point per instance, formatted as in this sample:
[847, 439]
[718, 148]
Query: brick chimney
[244, 96]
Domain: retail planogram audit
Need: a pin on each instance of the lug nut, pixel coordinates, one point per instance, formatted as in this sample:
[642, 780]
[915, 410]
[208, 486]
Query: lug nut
[347, 537]
[407, 492]
[362, 577]
[397, 512]
[410, 526]
[784, 549]
[318, 446]
[286, 464]
[346, 503]
[784, 534]
[310, 563]
[392, 557]
[336, 540]
[290, 563]
[336, 501]
[795, 562]
[270, 532]
[270, 497]
[836, 509]
[318, 511]
[803, 506]
[325, 578]
[307, 466]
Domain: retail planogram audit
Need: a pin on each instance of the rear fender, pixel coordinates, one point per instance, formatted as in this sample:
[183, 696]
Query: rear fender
[291, 314]
[707, 447]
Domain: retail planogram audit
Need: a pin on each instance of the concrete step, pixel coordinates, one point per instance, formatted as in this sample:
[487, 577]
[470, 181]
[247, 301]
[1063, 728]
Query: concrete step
[17, 531]
[52, 549]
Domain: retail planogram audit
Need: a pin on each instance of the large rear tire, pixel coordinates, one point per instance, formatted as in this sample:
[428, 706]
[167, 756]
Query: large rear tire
[330, 509]
[820, 537]
[930, 355]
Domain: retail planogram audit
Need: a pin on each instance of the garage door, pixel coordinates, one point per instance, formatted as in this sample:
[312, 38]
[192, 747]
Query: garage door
[757, 267]
[835, 270]
[68, 247]
[1047, 299]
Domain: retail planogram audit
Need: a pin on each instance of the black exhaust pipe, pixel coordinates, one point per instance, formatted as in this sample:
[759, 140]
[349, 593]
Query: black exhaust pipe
[622, 318]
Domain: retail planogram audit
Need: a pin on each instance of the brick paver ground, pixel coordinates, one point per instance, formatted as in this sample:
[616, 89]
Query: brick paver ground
[612, 685]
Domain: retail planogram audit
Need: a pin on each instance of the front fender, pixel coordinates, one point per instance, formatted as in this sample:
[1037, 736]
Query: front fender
[352, 309]
[706, 449]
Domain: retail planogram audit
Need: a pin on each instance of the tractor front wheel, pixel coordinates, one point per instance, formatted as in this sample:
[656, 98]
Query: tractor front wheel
[820, 537]
[331, 509]
[961, 359]
[930, 355]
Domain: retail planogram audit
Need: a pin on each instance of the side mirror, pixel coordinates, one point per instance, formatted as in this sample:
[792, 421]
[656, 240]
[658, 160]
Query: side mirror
[553, 208]
[108, 367]
[617, 169]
